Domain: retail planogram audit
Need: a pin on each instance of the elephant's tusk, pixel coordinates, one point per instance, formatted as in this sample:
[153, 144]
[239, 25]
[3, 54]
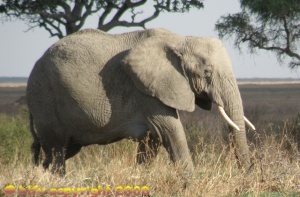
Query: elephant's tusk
[229, 121]
[249, 124]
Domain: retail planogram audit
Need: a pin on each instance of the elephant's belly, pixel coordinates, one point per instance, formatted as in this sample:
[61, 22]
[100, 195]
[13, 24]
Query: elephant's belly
[111, 133]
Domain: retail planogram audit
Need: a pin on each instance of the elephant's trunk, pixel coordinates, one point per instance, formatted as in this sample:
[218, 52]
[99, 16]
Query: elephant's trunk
[233, 107]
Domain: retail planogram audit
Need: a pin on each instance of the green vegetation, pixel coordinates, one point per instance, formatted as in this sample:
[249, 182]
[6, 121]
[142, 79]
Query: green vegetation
[15, 138]
[271, 25]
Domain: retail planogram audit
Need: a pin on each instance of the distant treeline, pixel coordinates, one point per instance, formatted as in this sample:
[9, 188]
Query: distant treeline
[267, 79]
[13, 79]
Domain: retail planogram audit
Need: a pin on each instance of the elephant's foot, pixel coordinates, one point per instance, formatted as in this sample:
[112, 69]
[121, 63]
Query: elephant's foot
[59, 166]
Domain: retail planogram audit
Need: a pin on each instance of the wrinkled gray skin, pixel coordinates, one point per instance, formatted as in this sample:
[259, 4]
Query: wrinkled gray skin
[97, 88]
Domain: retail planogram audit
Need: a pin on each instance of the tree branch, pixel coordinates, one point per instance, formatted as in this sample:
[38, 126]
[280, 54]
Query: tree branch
[287, 32]
[270, 34]
[66, 7]
[108, 8]
[115, 21]
[44, 23]
[88, 12]
[72, 14]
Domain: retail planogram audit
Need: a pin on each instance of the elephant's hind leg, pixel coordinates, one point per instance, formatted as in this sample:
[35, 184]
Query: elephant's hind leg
[48, 156]
[54, 147]
[148, 149]
[56, 155]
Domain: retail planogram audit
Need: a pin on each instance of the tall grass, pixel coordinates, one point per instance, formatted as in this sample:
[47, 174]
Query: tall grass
[274, 151]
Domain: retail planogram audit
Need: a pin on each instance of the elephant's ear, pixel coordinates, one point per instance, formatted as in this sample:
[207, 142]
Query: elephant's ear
[155, 68]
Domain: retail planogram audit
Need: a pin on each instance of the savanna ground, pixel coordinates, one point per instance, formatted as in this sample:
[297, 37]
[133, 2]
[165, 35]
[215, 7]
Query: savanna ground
[274, 109]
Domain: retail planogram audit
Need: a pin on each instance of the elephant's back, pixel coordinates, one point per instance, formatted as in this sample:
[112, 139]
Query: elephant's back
[82, 55]
[77, 61]
[68, 73]
[77, 74]
[68, 78]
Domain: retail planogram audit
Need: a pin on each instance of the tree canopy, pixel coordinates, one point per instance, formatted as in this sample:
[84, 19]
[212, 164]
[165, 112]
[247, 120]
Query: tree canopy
[272, 25]
[63, 17]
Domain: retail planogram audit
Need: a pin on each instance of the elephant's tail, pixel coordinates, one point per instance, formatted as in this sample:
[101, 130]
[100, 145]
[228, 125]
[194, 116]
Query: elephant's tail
[36, 146]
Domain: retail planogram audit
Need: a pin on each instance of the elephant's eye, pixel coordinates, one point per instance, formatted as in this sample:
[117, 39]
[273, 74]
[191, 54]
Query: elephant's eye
[208, 74]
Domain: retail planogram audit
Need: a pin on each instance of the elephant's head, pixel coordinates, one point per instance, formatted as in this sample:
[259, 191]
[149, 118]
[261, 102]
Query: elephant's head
[181, 71]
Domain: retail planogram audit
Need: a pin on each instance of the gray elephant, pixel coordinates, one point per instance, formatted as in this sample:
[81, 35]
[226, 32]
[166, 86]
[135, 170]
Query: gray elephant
[97, 88]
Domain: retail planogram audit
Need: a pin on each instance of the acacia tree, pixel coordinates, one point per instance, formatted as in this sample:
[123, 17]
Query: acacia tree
[272, 25]
[63, 17]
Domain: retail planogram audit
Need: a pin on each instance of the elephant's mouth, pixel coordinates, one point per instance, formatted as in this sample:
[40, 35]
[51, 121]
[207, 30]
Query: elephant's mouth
[203, 101]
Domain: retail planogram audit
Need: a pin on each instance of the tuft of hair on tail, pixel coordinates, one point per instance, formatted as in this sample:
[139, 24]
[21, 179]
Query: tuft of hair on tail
[36, 146]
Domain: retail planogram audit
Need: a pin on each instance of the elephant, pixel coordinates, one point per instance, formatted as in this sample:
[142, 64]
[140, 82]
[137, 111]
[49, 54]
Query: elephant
[93, 87]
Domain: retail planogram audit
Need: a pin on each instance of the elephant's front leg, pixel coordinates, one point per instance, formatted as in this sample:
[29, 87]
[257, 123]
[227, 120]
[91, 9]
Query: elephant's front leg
[148, 148]
[174, 140]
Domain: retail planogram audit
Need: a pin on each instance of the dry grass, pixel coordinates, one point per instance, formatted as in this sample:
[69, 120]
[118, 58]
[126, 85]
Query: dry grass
[276, 170]
[274, 149]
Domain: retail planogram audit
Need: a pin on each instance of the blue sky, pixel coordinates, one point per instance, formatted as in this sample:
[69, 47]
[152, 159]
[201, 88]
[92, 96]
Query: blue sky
[19, 50]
